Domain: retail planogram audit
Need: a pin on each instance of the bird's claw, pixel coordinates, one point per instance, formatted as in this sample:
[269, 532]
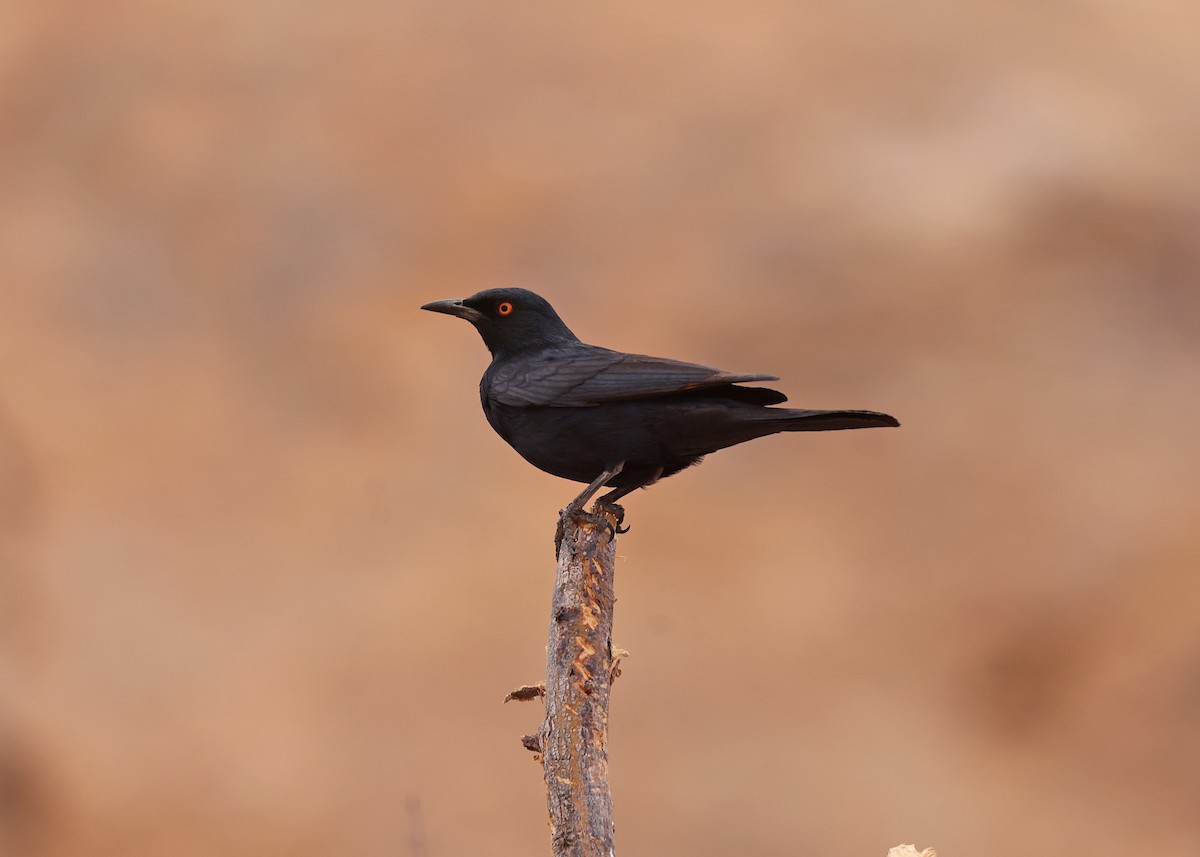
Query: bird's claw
[598, 511]
[565, 514]
[568, 512]
[617, 512]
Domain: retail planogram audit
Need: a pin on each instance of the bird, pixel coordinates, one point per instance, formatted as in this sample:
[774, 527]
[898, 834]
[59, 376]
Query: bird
[612, 419]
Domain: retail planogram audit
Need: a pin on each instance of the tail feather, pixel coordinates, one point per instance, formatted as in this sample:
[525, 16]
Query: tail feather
[801, 420]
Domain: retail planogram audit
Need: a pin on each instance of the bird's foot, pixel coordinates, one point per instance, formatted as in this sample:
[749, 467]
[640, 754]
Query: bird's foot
[573, 509]
[606, 508]
[569, 511]
[603, 512]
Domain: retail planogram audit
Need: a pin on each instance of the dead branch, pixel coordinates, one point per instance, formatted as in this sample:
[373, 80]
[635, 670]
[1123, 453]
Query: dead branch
[573, 739]
[526, 692]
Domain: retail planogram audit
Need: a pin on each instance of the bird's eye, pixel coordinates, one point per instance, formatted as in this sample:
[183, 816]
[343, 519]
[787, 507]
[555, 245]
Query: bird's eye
[504, 308]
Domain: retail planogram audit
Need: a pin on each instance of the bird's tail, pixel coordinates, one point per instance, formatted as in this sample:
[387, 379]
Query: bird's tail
[790, 419]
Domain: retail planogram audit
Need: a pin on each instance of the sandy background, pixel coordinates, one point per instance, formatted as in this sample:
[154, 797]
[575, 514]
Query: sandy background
[266, 574]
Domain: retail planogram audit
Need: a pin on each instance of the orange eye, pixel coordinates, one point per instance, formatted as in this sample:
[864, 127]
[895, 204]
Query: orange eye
[504, 308]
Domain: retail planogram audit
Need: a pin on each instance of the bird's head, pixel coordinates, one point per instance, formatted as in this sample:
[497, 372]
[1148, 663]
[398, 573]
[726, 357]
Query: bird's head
[508, 319]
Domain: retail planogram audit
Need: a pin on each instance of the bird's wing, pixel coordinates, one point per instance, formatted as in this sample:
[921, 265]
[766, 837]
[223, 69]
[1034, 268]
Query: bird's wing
[578, 375]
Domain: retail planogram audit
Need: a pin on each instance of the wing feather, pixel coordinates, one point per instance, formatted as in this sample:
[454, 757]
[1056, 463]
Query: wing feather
[575, 375]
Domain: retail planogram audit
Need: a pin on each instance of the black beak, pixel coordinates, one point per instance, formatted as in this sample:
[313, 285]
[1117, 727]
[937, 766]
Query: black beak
[457, 308]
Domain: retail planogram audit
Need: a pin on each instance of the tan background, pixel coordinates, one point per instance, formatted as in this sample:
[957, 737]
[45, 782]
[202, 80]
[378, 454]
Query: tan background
[267, 573]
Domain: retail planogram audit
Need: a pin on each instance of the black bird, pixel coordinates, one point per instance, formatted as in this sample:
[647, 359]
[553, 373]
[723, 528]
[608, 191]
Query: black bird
[613, 419]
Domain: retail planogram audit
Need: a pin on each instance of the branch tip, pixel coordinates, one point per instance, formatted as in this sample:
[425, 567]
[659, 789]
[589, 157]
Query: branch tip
[526, 692]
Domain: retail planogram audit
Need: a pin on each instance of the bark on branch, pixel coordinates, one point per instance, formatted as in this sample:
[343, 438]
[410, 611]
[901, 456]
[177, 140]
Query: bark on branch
[579, 671]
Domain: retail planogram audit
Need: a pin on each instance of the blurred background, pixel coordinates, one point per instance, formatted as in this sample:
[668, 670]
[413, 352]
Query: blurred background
[266, 573]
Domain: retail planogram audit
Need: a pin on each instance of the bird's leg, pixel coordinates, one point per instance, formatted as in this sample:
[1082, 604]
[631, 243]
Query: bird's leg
[610, 499]
[579, 502]
[586, 494]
